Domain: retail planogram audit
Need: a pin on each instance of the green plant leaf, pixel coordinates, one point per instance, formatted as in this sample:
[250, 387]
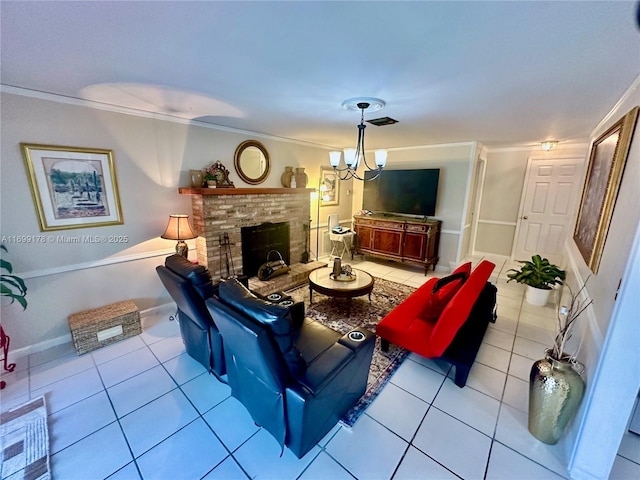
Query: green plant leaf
[6, 265]
[12, 286]
[538, 273]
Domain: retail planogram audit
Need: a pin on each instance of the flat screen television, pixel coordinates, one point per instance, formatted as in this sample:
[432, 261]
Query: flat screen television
[409, 192]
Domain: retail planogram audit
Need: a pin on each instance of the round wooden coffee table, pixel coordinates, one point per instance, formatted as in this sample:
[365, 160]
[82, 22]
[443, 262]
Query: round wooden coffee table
[321, 281]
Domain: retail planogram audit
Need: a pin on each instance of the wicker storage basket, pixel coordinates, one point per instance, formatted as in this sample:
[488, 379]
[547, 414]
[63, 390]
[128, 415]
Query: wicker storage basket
[95, 328]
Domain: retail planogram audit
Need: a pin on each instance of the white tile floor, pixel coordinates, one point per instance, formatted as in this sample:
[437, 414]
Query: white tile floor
[144, 409]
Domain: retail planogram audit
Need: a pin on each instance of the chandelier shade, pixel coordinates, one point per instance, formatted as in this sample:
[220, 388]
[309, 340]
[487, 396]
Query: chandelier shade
[354, 157]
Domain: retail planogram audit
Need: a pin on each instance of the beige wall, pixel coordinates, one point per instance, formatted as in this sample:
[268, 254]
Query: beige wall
[500, 204]
[610, 338]
[152, 159]
[454, 162]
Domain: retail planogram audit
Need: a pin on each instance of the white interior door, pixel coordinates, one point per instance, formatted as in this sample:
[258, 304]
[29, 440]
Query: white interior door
[547, 208]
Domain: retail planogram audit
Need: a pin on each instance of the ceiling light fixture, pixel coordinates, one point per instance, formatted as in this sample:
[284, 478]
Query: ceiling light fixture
[549, 145]
[353, 157]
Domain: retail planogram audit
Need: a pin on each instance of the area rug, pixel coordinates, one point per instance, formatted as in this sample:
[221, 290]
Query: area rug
[343, 315]
[24, 442]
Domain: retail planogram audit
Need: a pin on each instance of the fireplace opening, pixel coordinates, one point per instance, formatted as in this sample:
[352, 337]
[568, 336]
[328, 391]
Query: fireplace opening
[259, 240]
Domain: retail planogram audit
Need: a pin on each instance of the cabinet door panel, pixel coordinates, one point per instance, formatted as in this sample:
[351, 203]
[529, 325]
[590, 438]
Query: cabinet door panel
[365, 236]
[386, 241]
[414, 245]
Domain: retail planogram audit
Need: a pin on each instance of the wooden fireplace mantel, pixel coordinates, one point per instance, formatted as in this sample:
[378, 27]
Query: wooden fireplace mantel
[240, 191]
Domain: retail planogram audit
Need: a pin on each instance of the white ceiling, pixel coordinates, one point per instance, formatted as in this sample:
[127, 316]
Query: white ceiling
[502, 73]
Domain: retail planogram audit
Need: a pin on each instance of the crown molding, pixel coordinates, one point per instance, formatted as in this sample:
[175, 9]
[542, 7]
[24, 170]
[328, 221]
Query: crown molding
[25, 92]
[536, 146]
[614, 111]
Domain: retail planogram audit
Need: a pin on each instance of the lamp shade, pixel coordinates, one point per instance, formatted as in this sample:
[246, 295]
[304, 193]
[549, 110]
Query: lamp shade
[350, 157]
[334, 158]
[381, 158]
[178, 228]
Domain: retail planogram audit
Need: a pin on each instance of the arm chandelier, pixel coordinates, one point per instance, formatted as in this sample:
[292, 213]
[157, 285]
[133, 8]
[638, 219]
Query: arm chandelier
[353, 157]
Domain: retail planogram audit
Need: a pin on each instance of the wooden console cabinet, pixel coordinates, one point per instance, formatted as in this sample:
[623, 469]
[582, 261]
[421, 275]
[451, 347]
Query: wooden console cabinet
[398, 238]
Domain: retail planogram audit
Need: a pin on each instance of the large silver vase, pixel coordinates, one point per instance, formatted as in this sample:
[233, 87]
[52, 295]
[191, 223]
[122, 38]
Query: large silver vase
[555, 393]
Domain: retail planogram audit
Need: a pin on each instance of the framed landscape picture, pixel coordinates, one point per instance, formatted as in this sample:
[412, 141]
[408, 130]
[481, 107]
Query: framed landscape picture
[329, 178]
[72, 187]
[604, 174]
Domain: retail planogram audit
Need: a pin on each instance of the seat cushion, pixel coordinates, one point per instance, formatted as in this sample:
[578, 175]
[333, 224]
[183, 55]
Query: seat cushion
[458, 309]
[198, 275]
[402, 325]
[277, 318]
[405, 327]
[443, 291]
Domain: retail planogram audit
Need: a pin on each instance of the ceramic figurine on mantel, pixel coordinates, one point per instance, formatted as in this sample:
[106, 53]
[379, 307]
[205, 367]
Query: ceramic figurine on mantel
[285, 179]
[301, 178]
[197, 178]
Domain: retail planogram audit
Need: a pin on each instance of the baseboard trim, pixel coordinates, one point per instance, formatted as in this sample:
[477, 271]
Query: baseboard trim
[145, 320]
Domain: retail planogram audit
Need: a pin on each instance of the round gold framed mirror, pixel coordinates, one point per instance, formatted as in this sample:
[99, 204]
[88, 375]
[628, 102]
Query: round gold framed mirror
[252, 162]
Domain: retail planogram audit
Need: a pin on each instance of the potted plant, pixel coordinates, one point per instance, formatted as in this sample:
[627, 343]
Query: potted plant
[14, 288]
[556, 387]
[540, 276]
[210, 179]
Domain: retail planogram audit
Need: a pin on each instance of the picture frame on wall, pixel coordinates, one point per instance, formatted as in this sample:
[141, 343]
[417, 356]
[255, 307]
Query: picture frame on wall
[607, 160]
[72, 187]
[330, 180]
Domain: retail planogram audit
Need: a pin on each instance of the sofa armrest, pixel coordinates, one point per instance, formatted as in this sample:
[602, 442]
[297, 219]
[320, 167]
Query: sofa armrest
[325, 368]
[297, 314]
[357, 339]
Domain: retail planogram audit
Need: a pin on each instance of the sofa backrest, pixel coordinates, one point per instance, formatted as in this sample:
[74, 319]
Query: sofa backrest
[458, 309]
[188, 285]
[276, 318]
[197, 275]
[256, 371]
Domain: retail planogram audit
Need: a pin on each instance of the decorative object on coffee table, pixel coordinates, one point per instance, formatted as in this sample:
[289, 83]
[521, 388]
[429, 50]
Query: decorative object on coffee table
[321, 281]
[359, 312]
[556, 387]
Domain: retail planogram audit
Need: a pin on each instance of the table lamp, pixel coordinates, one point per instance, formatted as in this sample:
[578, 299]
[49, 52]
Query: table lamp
[179, 229]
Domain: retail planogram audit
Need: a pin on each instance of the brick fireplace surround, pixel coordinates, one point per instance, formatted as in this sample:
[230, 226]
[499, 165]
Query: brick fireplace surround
[219, 210]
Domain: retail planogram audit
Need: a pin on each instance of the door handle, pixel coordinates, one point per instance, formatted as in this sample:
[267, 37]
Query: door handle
[524, 218]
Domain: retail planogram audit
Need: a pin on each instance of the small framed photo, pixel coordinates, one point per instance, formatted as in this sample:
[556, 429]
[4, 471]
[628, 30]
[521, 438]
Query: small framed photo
[329, 187]
[72, 187]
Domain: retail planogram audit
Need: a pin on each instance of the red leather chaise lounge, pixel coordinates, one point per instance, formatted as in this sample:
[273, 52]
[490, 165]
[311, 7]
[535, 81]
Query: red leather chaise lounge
[445, 318]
